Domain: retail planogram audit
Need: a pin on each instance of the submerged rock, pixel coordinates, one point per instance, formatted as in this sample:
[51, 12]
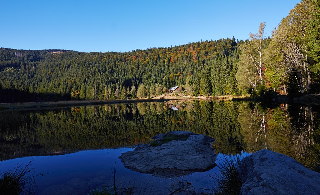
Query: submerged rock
[187, 154]
[268, 172]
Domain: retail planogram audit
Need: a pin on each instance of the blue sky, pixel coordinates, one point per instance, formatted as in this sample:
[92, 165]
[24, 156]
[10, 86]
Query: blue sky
[126, 25]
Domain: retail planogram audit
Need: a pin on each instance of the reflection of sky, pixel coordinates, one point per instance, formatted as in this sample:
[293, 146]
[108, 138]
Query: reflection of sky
[63, 168]
[90, 169]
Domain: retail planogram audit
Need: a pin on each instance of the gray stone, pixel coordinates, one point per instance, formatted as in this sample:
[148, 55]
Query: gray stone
[173, 159]
[268, 172]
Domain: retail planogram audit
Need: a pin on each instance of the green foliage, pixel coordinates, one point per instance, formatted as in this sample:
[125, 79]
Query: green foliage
[205, 82]
[251, 62]
[142, 91]
[196, 86]
[46, 75]
[291, 56]
[221, 67]
[229, 181]
[313, 36]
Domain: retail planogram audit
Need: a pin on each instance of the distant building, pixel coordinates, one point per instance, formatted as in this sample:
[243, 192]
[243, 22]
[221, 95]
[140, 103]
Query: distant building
[174, 108]
[173, 88]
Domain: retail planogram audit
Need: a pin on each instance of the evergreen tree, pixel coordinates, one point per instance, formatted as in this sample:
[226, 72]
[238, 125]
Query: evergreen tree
[205, 82]
[123, 93]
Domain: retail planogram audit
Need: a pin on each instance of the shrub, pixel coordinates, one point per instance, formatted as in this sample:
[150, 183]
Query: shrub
[229, 181]
[17, 181]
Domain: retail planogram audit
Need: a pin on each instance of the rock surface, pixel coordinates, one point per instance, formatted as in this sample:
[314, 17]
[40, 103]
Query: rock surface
[175, 158]
[268, 172]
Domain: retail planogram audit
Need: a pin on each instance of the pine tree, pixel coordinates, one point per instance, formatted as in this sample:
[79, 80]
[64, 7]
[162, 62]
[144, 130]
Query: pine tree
[205, 82]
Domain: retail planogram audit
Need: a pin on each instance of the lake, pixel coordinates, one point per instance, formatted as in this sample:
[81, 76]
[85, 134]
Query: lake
[75, 150]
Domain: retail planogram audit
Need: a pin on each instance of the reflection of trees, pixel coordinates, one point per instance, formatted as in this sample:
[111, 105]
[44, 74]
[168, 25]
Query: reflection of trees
[142, 107]
[252, 120]
[226, 128]
[265, 128]
[215, 119]
[291, 130]
[279, 131]
[305, 131]
[286, 129]
[118, 125]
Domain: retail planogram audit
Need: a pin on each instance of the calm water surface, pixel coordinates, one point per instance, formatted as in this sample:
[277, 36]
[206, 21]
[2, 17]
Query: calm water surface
[75, 150]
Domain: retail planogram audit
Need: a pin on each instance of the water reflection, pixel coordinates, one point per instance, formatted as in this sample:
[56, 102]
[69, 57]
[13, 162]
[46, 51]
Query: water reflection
[287, 129]
[56, 136]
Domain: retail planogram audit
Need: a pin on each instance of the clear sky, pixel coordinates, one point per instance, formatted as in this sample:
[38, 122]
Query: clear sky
[126, 25]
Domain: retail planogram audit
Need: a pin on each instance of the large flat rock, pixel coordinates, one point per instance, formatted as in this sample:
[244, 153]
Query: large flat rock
[175, 158]
[268, 172]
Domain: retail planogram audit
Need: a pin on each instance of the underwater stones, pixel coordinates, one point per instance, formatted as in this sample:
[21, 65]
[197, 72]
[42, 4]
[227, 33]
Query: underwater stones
[184, 154]
[268, 172]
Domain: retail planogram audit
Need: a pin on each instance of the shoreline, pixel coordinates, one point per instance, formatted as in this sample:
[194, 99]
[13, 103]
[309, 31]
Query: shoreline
[309, 99]
[71, 103]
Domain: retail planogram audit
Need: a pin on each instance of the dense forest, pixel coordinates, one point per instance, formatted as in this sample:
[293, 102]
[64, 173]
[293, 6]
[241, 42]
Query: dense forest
[286, 63]
[54, 75]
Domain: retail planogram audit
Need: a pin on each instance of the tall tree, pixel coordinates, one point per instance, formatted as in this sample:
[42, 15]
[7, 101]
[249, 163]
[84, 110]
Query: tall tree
[205, 82]
[313, 44]
[250, 69]
[288, 52]
[142, 91]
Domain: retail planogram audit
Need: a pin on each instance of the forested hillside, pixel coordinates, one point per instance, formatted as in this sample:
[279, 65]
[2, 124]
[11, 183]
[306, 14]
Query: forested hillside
[286, 63]
[202, 68]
